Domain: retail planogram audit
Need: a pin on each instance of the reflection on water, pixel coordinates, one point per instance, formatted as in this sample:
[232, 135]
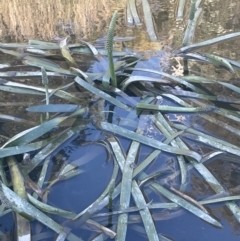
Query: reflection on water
[22, 20]
[89, 19]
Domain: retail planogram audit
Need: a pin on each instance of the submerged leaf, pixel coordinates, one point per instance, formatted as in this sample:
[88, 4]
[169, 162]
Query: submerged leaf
[190, 207]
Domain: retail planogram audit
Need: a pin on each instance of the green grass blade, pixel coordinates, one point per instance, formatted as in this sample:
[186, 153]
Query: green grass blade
[104, 193]
[26, 74]
[212, 181]
[212, 59]
[4, 117]
[220, 61]
[33, 133]
[107, 75]
[42, 175]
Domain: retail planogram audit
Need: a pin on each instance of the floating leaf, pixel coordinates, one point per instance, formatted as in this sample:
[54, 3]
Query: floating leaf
[208, 42]
[50, 148]
[183, 203]
[132, 79]
[125, 166]
[101, 94]
[15, 150]
[148, 141]
[174, 78]
[130, 22]
[22, 225]
[149, 20]
[133, 9]
[53, 108]
[21, 206]
[181, 5]
[33, 133]
[164, 108]
[66, 53]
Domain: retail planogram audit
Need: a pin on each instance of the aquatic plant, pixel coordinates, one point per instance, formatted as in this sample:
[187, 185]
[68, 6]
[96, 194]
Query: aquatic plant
[147, 120]
[109, 47]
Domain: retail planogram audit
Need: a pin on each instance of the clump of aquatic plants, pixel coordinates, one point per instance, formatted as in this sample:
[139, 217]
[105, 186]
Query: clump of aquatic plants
[143, 116]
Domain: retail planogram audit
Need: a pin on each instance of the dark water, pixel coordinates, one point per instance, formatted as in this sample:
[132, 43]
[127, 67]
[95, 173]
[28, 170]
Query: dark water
[218, 17]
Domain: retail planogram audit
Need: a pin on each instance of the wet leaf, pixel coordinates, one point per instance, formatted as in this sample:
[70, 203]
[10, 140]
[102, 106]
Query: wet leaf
[174, 78]
[181, 6]
[21, 206]
[149, 20]
[147, 141]
[125, 166]
[133, 10]
[50, 209]
[191, 208]
[208, 42]
[101, 94]
[66, 53]
[37, 131]
[50, 148]
[207, 139]
[15, 150]
[53, 108]
[164, 108]
[133, 79]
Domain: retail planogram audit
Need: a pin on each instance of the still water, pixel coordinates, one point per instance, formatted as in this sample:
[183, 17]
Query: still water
[88, 20]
